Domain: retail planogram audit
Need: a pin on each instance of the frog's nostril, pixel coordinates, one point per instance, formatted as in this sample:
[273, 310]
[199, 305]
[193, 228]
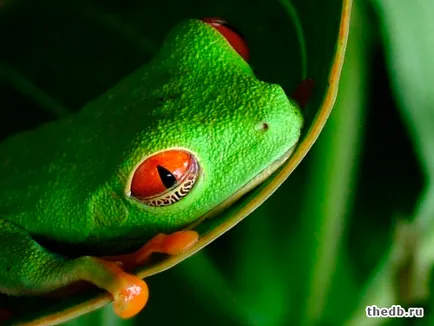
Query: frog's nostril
[262, 126]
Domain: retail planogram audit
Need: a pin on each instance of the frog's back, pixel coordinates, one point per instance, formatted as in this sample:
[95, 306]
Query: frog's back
[35, 163]
[64, 158]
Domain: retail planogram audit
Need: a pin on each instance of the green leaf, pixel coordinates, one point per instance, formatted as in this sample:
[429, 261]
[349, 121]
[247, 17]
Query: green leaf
[408, 43]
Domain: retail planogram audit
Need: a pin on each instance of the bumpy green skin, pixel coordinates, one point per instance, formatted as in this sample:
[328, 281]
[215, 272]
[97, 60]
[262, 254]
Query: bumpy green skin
[69, 180]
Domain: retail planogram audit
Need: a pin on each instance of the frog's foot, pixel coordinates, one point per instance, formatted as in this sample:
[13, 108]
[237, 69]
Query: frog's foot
[130, 293]
[303, 92]
[36, 271]
[171, 244]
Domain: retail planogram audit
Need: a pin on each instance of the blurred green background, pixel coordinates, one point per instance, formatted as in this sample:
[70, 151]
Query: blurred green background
[352, 226]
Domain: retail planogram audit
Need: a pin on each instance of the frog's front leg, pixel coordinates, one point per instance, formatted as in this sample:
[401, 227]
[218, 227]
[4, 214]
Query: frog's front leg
[26, 268]
[171, 244]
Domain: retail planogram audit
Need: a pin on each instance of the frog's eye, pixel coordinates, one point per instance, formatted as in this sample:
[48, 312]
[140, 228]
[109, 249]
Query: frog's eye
[165, 178]
[234, 37]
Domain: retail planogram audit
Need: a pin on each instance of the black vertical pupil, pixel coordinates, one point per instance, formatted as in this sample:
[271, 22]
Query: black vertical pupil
[167, 178]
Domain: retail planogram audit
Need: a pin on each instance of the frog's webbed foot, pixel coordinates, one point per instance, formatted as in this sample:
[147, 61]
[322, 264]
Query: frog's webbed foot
[170, 244]
[130, 293]
[26, 268]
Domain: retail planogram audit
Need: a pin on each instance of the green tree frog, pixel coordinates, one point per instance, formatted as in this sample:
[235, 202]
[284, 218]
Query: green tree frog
[135, 166]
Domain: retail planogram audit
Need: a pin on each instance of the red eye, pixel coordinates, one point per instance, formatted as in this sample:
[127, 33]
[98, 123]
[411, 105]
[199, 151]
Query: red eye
[231, 34]
[165, 178]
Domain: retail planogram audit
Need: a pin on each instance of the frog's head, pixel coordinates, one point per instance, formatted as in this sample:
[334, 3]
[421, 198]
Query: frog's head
[214, 132]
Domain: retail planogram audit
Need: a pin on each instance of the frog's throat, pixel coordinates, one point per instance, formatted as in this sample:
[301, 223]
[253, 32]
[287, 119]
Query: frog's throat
[249, 186]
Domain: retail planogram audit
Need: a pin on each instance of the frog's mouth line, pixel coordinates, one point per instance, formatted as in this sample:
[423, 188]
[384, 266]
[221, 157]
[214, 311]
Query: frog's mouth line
[249, 186]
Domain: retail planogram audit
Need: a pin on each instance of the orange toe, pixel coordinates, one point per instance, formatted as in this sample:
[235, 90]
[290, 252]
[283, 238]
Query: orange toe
[303, 93]
[178, 242]
[131, 298]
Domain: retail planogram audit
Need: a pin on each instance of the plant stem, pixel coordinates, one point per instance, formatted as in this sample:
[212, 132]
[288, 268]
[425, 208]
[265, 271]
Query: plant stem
[27, 88]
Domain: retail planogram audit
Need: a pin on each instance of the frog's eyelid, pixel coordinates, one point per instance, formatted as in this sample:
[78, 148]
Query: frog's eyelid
[231, 34]
[173, 195]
